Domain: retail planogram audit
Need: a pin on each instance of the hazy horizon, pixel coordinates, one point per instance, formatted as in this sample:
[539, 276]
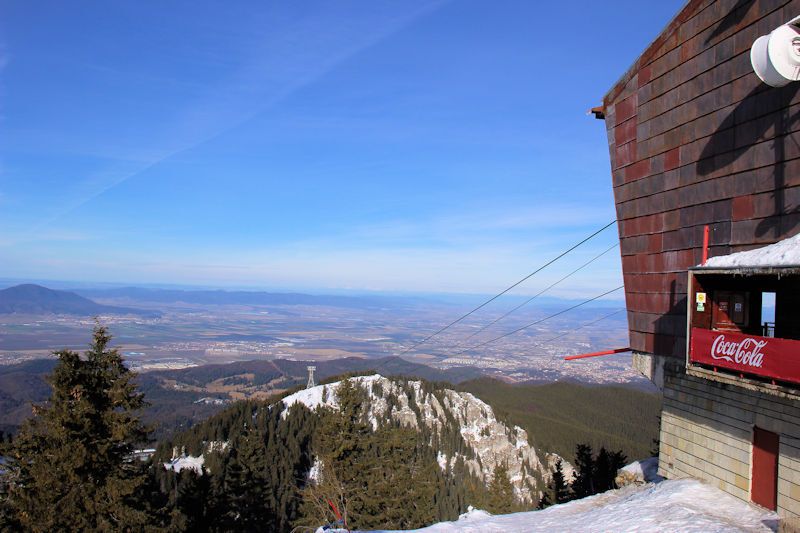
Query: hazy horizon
[64, 284]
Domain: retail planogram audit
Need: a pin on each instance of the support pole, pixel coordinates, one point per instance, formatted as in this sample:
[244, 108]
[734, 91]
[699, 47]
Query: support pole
[596, 354]
[705, 244]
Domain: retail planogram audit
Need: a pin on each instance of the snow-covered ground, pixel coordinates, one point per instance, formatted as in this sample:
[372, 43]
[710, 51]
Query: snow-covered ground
[313, 397]
[684, 505]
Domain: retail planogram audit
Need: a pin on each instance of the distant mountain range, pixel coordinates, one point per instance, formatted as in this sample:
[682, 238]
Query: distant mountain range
[37, 300]
[223, 297]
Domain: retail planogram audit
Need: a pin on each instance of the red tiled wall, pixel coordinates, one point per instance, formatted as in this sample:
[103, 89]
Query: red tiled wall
[695, 138]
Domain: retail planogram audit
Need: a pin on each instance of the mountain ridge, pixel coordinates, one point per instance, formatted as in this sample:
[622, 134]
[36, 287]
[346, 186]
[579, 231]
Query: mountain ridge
[238, 297]
[29, 298]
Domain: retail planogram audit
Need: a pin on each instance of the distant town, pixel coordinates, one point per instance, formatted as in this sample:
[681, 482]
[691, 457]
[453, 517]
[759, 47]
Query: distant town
[182, 335]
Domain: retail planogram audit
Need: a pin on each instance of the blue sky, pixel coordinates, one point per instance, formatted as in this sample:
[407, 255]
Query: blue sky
[419, 146]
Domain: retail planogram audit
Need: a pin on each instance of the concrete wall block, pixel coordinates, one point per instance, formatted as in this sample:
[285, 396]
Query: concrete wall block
[788, 507]
[702, 412]
[744, 405]
[788, 475]
[783, 408]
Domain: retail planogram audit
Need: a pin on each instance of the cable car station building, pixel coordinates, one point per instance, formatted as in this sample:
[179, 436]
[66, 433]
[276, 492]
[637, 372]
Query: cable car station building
[703, 151]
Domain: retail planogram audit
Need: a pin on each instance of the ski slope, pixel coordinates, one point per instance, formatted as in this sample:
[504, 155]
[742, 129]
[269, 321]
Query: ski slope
[685, 505]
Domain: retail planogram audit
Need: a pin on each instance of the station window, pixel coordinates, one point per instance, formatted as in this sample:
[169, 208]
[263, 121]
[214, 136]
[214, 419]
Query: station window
[768, 314]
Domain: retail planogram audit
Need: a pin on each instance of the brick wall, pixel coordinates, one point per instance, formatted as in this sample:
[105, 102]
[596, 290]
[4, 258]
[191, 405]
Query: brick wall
[695, 138]
[707, 431]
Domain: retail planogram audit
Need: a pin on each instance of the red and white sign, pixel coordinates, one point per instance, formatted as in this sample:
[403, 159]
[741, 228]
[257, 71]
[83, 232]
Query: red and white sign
[750, 354]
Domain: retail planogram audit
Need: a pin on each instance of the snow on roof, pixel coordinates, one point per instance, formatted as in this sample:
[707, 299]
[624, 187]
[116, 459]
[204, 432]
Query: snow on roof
[785, 253]
[685, 505]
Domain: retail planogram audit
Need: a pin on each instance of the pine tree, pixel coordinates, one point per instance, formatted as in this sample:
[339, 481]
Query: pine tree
[400, 479]
[190, 508]
[606, 467]
[583, 484]
[340, 441]
[501, 492]
[545, 500]
[69, 469]
[245, 480]
[557, 491]
[384, 479]
[559, 484]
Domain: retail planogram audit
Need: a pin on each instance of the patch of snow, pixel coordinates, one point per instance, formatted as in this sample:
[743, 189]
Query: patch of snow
[781, 254]
[312, 398]
[441, 458]
[646, 469]
[685, 505]
[186, 462]
[313, 473]
[217, 445]
[473, 515]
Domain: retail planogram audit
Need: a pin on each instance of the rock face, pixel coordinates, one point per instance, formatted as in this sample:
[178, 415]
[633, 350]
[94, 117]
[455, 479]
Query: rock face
[486, 441]
[638, 473]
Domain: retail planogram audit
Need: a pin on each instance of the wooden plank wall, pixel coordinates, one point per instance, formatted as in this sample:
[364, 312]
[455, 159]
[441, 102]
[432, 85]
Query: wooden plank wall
[695, 138]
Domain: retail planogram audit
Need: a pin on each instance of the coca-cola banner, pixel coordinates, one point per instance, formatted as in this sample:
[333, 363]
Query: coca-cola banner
[763, 356]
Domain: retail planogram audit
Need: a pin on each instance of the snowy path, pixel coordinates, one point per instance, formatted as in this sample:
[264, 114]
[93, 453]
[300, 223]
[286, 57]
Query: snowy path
[684, 505]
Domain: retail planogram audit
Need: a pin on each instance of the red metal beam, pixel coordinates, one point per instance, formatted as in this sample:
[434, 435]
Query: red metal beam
[596, 354]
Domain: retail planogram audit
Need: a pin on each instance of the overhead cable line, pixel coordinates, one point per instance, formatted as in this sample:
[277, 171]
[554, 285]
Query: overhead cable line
[539, 321]
[618, 311]
[498, 295]
[532, 298]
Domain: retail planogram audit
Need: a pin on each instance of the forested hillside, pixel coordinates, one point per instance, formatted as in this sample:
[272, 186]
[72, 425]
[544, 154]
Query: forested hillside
[557, 415]
[369, 451]
[174, 395]
[370, 446]
[560, 415]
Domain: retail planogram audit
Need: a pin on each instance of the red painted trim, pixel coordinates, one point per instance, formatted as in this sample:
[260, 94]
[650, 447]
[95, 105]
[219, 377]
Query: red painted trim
[705, 244]
[596, 354]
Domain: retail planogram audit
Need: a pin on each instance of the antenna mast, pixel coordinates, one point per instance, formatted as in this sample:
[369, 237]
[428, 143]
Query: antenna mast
[311, 377]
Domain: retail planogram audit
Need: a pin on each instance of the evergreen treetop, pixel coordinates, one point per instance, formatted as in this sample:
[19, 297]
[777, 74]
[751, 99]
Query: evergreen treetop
[74, 454]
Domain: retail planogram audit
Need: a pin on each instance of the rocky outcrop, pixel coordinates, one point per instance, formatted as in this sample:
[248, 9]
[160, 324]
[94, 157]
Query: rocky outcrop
[638, 473]
[489, 441]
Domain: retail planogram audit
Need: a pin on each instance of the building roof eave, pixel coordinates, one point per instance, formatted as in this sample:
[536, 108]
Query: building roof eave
[689, 9]
[784, 270]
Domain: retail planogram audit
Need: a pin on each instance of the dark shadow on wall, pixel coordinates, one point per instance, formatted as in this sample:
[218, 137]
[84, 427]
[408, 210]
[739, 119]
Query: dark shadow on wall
[733, 18]
[669, 332]
[720, 150]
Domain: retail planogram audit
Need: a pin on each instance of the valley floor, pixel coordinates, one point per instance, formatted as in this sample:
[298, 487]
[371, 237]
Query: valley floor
[685, 505]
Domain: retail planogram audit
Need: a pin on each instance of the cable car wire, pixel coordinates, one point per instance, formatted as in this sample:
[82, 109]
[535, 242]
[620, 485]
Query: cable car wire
[539, 321]
[532, 298]
[498, 295]
[618, 311]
